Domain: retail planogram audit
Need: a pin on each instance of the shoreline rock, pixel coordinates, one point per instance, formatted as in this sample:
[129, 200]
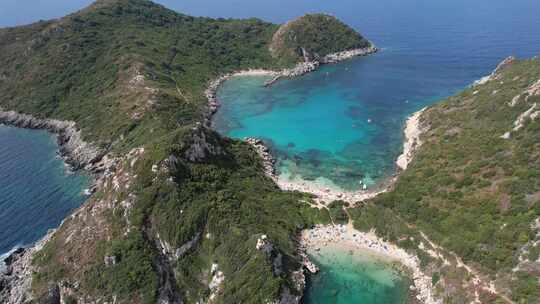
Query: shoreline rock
[75, 151]
[267, 158]
[300, 69]
[303, 68]
[412, 131]
[348, 238]
[508, 61]
[213, 87]
[16, 277]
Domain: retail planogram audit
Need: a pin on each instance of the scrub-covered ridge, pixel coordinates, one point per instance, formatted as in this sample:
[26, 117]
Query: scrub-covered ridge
[473, 188]
[311, 37]
[180, 214]
[177, 210]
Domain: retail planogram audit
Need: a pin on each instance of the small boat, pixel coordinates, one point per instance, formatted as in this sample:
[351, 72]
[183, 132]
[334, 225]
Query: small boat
[369, 120]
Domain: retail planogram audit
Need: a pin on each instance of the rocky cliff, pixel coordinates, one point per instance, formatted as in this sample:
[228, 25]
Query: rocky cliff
[177, 209]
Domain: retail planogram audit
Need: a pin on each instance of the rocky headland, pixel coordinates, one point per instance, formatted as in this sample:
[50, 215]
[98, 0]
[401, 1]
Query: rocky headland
[16, 269]
[308, 66]
[76, 152]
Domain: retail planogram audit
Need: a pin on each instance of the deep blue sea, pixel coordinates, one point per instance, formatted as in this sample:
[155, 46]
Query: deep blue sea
[37, 191]
[343, 123]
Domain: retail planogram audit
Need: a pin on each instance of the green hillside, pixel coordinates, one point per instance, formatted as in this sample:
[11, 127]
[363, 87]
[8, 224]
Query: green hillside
[180, 214]
[132, 75]
[314, 35]
[472, 190]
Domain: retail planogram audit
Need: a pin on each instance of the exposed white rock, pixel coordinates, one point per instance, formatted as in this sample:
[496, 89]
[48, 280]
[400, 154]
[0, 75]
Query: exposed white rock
[503, 65]
[413, 130]
[521, 119]
[344, 55]
[532, 90]
[218, 277]
[261, 242]
[311, 65]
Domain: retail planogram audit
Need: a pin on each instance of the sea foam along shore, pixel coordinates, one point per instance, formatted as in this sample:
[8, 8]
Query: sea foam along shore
[347, 238]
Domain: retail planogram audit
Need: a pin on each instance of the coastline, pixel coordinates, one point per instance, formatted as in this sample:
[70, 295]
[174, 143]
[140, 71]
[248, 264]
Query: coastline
[325, 195]
[16, 273]
[300, 69]
[347, 238]
[74, 150]
[344, 237]
[412, 132]
[303, 68]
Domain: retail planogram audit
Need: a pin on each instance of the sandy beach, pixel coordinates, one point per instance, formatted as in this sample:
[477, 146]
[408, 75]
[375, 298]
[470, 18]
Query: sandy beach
[341, 236]
[346, 237]
[324, 194]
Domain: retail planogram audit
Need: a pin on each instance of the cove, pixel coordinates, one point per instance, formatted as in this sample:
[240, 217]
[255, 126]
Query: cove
[37, 190]
[339, 127]
[346, 276]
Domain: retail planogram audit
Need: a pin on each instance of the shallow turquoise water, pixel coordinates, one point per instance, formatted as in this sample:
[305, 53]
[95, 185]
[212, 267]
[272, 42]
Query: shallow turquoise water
[346, 278]
[431, 49]
[37, 191]
[320, 125]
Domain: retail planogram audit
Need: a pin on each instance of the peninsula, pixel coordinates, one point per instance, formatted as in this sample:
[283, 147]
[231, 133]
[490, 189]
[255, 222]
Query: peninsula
[180, 214]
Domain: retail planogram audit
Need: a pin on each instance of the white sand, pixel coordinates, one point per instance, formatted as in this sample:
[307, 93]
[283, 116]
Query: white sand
[345, 236]
[326, 193]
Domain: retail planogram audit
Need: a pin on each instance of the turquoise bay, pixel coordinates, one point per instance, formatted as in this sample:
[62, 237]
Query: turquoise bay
[331, 124]
[354, 277]
[430, 49]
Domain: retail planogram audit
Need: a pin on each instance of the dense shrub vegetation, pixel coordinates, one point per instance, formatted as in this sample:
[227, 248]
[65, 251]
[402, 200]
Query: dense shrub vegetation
[132, 74]
[469, 189]
[318, 34]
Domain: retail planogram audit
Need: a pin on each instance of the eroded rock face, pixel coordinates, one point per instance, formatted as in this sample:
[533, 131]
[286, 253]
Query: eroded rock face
[77, 152]
[16, 278]
[507, 62]
[202, 145]
[264, 153]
